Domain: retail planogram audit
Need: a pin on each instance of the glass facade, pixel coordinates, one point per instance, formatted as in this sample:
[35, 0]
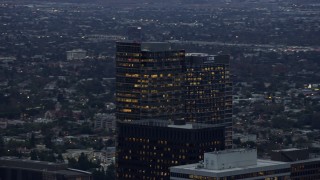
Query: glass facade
[155, 82]
[305, 170]
[146, 149]
[209, 91]
[148, 82]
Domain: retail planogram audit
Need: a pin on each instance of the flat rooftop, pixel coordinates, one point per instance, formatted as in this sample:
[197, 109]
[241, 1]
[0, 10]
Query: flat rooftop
[149, 46]
[306, 160]
[184, 126]
[197, 54]
[15, 162]
[288, 150]
[227, 151]
[155, 46]
[164, 123]
[262, 165]
[203, 58]
[39, 166]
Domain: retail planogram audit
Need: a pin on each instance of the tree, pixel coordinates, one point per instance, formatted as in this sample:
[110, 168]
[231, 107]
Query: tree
[33, 155]
[282, 122]
[50, 157]
[85, 129]
[72, 162]
[47, 140]
[60, 158]
[32, 141]
[99, 175]
[83, 161]
[13, 145]
[237, 141]
[110, 173]
[109, 143]
[2, 146]
[316, 121]
[99, 144]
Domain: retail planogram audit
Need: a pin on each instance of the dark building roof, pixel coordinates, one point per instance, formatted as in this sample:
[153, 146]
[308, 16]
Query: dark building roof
[14, 162]
[41, 166]
[290, 155]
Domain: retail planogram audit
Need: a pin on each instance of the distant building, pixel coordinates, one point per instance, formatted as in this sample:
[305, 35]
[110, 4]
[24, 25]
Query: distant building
[9, 59]
[21, 169]
[76, 54]
[104, 37]
[232, 164]
[147, 148]
[109, 155]
[245, 137]
[76, 153]
[42, 120]
[4, 123]
[105, 121]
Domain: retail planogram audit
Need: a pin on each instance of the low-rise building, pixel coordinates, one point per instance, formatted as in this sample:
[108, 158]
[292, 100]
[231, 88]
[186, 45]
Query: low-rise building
[243, 164]
[12, 168]
[76, 54]
[232, 164]
[105, 121]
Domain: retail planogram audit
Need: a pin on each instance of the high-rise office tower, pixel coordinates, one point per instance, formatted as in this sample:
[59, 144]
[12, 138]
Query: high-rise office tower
[149, 80]
[155, 87]
[147, 148]
[208, 96]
